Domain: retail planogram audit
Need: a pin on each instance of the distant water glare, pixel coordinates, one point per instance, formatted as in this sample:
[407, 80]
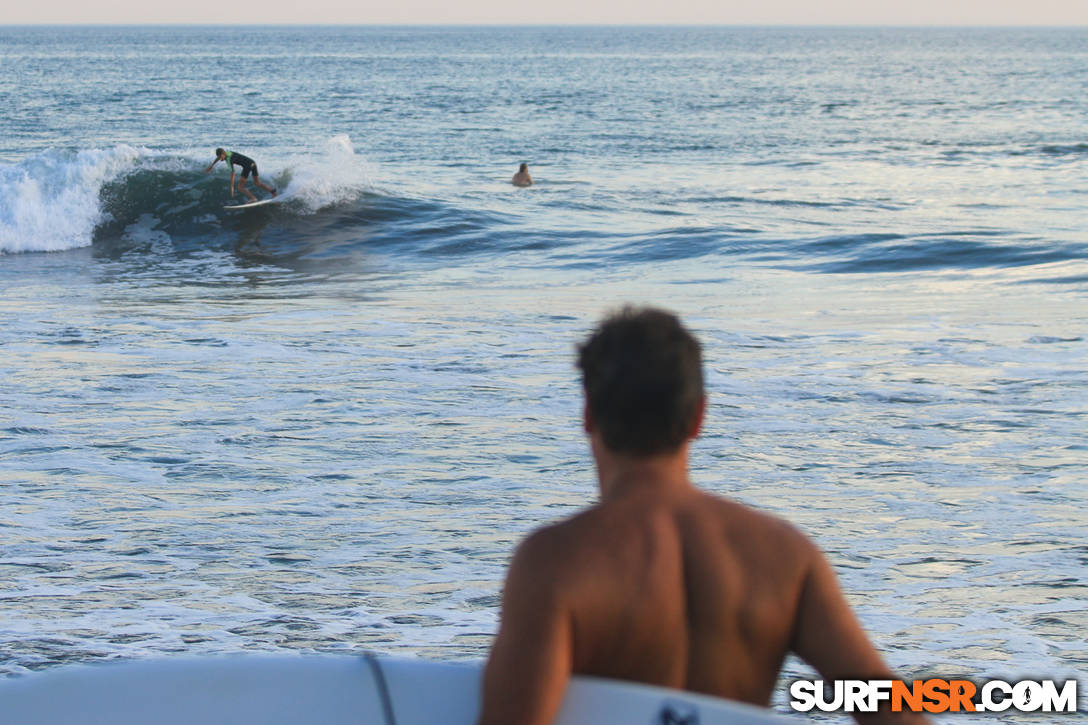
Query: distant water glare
[323, 424]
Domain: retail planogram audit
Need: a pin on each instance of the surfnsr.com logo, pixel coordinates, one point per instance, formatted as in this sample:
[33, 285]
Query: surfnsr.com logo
[934, 695]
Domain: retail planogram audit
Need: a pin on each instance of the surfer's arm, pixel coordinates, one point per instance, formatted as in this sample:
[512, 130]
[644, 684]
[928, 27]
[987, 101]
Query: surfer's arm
[232, 180]
[530, 662]
[829, 637]
[211, 166]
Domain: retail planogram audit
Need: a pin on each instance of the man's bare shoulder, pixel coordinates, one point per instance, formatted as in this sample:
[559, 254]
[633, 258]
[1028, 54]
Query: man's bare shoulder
[752, 520]
[552, 544]
[569, 550]
[563, 548]
[547, 564]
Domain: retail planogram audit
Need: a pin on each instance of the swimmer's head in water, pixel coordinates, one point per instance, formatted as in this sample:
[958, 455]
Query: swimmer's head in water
[523, 168]
[643, 377]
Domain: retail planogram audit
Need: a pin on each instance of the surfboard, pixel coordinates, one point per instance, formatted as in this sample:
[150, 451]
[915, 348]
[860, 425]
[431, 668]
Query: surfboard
[326, 690]
[251, 204]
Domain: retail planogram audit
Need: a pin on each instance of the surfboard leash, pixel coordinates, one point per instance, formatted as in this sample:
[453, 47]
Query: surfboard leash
[383, 687]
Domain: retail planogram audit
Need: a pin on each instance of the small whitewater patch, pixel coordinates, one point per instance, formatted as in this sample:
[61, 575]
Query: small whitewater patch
[328, 177]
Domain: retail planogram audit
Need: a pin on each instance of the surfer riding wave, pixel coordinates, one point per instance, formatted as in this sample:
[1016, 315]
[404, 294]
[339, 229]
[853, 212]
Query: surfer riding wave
[249, 166]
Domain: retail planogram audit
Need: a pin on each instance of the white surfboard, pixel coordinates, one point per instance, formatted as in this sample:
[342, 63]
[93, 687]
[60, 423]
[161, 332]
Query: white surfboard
[325, 690]
[259, 202]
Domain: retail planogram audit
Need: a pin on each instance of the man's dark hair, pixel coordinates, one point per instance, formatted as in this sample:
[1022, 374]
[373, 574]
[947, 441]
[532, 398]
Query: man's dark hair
[219, 152]
[643, 378]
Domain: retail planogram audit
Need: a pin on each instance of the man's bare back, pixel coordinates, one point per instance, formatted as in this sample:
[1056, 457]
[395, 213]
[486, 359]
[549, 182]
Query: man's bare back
[684, 590]
[663, 584]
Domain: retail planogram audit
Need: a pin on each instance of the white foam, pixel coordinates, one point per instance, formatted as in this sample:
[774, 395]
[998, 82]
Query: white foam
[334, 175]
[50, 202]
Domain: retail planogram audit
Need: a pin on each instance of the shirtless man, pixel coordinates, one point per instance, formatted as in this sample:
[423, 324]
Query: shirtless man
[233, 158]
[522, 178]
[659, 582]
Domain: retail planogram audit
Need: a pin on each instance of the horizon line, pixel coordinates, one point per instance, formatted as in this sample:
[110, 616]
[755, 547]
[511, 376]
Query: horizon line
[480, 24]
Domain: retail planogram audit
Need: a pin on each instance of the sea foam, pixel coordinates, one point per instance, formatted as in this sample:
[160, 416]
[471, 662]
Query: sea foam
[332, 176]
[50, 201]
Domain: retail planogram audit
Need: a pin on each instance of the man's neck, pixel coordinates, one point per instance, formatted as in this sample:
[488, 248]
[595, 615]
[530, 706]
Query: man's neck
[618, 473]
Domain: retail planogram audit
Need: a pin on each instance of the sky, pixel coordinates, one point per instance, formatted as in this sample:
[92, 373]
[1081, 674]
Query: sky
[441, 12]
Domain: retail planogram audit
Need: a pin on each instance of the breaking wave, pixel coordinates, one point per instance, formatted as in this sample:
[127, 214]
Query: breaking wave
[58, 200]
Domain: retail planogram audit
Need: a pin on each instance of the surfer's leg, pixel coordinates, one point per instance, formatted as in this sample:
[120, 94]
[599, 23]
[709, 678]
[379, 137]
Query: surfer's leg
[246, 171]
[247, 192]
[266, 187]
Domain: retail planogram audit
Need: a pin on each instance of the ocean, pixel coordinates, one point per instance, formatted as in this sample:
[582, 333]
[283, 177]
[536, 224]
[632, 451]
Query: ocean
[323, 425]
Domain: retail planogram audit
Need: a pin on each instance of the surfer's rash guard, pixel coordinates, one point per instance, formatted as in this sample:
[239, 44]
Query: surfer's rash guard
[249, 166]
[239, 159]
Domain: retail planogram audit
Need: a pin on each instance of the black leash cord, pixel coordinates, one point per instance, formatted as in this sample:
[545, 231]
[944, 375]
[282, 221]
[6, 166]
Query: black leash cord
[383, 688]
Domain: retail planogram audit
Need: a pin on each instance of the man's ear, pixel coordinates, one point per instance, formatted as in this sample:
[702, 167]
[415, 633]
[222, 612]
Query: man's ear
[700, 416]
